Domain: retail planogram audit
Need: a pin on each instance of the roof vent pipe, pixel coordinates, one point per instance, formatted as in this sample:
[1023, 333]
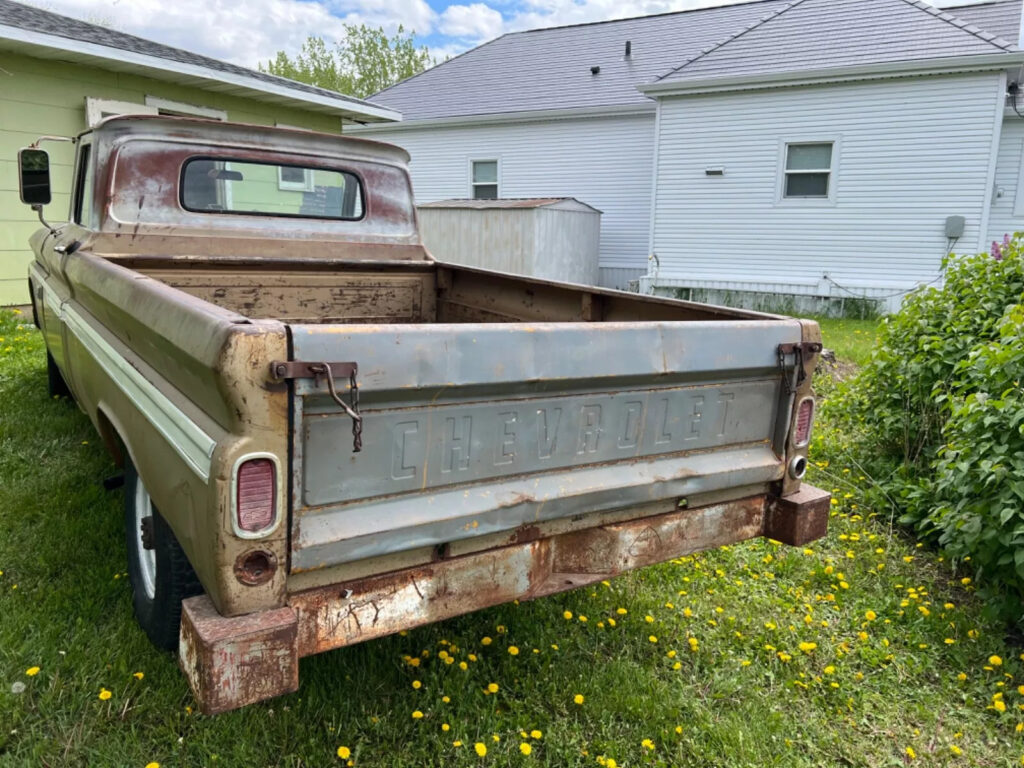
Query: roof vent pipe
[594, 70]
[629, 49]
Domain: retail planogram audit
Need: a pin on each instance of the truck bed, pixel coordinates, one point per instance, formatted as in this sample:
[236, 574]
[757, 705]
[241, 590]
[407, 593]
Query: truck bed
[319, 291]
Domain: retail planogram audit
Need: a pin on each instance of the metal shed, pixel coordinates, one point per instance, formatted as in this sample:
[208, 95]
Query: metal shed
[556, 238]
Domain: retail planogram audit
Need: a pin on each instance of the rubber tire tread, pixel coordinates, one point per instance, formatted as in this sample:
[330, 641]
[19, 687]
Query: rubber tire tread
[55, 383]
[159, 616]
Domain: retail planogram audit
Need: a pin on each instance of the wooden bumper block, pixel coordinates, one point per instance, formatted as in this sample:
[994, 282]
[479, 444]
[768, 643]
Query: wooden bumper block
[231, 662]
[799, 518]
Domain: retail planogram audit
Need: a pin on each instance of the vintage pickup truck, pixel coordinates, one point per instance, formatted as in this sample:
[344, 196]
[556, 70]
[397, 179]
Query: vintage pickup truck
[328, 436]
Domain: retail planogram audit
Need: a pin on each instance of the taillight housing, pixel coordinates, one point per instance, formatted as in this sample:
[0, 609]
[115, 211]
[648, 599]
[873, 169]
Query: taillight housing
[255, 496]
[803, 422]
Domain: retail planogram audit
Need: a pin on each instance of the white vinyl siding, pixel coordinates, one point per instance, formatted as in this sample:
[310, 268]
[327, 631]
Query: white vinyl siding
[606, 162]
[1007, 214]
[908, 153]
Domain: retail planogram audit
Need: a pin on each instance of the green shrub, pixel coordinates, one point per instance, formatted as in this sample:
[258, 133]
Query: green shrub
[937, 417]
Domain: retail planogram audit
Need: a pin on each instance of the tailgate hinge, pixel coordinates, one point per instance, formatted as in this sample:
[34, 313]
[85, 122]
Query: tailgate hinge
[281, 371]
[793, 355]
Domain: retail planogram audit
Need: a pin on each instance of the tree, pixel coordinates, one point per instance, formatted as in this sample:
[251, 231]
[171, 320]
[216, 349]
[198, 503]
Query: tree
[364, 62]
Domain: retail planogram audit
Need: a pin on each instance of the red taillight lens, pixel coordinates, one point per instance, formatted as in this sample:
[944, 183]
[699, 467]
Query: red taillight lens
[804, 419]
[256, 494]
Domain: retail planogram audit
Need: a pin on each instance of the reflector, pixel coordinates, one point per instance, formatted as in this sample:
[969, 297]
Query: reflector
[256, 495]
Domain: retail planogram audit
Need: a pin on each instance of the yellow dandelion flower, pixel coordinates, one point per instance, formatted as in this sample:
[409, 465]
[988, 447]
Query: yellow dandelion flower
[445, 727]
[582, 618]
[153, 765]
[671, 654]
[621, 611]
[481, 748]
[446, 699]
[513, 650]
[486, 641]
[525, 748]
[995, 661]
[567, 615]
[911, 753]
[647, 744]
[677, 666]
[649, 619]
[652, 638]
[492, 687]
[808, 647]
[456, 744]
[105, 694]
[829, 670]
[138, 675]
[414, 662]
[870, 615]
[343, 752]
[32, 671]
[496, 737]
[417, 715]
[955, 750]
[578, 698]
[999, 705]
[694, 643]
[417, 684]
[783, 656]
[535, 734]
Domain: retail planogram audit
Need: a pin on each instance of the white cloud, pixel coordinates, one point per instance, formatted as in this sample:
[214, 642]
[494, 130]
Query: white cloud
[245, 33]
[475, 22]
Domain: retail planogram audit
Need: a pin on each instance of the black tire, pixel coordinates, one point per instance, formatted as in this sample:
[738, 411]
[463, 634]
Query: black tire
[55, 379]
[156, 596]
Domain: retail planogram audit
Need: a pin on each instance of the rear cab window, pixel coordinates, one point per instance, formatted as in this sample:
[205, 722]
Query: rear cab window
[221, 185]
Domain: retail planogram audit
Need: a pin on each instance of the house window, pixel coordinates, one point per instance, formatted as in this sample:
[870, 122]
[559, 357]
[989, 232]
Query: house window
[485, 180]
[290, 177]
[808, 171]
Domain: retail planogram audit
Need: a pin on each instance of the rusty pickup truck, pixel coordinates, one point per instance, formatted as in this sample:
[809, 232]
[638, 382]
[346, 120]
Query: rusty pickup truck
[328, 436]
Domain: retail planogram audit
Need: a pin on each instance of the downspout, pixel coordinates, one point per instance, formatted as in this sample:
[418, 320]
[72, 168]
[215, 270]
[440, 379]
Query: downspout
[650, 280]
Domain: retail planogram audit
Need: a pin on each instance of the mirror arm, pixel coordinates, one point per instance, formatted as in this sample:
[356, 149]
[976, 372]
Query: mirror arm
[39, 212]
[35, 144]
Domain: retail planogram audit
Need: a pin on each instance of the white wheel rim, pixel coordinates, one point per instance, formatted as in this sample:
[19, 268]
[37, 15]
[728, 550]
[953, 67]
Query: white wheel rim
[146, 557]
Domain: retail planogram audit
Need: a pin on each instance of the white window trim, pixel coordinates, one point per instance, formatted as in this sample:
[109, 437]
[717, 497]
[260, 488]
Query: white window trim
[96, 109]
[472, 186]
[186, 109]
[306, 185]
[833, 177]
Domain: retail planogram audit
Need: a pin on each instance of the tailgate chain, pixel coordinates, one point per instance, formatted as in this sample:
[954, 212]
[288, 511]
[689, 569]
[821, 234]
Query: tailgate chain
[300, 370]
[798, 350]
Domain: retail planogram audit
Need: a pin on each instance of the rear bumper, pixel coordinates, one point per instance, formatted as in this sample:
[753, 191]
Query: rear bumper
[231, 662]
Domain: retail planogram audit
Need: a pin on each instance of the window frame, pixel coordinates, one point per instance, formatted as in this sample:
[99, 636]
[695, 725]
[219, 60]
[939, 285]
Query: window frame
[783, 175]
[83, 164]
[100, 109]
[170, 107]
[496, 183]
[363, 207]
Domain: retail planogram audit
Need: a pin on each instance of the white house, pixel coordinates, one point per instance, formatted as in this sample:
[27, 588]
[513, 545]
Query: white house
[811, 148]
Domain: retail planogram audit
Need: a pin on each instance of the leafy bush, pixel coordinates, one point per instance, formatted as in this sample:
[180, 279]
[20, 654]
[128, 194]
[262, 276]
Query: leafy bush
[937, 417]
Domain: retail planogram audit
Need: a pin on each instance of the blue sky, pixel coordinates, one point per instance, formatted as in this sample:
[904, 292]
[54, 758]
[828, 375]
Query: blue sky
[250, 32]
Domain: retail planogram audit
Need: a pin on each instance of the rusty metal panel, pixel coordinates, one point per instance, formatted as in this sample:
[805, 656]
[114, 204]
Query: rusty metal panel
[364, 609]
[477, 429]
[799, 518]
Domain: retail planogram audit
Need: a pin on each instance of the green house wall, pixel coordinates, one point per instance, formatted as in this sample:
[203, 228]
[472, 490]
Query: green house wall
[40, 96]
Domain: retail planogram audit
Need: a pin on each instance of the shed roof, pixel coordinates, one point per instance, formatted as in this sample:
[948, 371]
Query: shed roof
[513, 203]
[549, 69]
[809, 35]
[36, 32]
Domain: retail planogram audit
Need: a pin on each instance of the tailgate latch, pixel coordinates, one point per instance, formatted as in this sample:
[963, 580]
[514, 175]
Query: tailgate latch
[793, 354]
[328, 371]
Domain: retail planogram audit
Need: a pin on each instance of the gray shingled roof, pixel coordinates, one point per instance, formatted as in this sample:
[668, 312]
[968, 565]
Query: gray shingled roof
[34, 19]
[820, 34]
[550, 68]
[1000, 18]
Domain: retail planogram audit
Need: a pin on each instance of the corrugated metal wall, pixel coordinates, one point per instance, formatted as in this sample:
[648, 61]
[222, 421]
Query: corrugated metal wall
[541, 242]
[911, 153]
[605, 162]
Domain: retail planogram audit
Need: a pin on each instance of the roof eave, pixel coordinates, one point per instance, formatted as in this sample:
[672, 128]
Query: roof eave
[619, 110]
[28, 41]
[949, 65]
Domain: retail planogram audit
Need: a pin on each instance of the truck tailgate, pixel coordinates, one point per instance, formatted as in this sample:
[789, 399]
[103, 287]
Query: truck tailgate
[474, 429]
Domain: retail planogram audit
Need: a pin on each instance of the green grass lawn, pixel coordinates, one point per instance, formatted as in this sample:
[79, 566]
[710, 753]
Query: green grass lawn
[861, 650]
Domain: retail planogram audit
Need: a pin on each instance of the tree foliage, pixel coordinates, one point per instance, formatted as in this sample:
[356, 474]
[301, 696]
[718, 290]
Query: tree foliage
[364, 62]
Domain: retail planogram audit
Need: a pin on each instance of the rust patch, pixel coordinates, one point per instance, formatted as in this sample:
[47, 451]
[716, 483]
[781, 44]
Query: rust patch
[231, 662]
[799, 518]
